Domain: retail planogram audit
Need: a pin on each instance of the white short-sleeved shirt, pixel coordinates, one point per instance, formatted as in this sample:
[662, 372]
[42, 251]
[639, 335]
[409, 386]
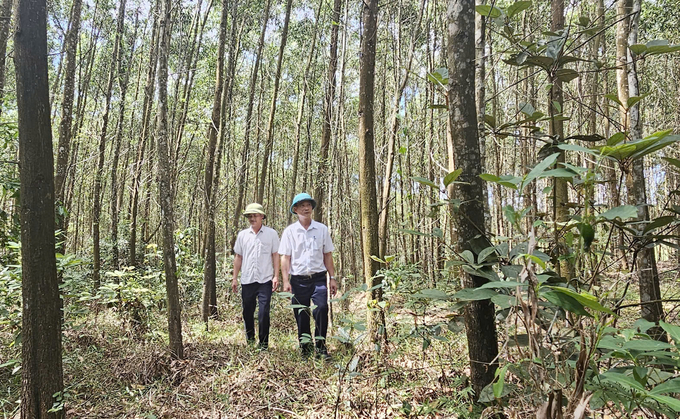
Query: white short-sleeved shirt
[306, 247]
[257, 250]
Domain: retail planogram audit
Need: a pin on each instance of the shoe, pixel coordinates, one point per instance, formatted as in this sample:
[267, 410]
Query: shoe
[322, 353]
[306, 349]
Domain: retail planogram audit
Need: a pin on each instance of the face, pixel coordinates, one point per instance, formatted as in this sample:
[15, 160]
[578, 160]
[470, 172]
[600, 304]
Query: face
[304, 209]
[255, 220]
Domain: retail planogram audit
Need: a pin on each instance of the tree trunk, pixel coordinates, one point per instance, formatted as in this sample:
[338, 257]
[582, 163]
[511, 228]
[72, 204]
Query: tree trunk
[241, 176]
[301, 107]
[367, 188]
[123, 83]
[209, 307]
[64, 147]
[41, 364]
[320, 191]
[646, 269]
[141, 146]
[479, 315]
[165, 192]
[96, 208]
[4, 35]
[402, 81]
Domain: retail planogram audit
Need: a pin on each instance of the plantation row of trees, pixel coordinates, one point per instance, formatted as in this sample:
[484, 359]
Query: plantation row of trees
[520, 150]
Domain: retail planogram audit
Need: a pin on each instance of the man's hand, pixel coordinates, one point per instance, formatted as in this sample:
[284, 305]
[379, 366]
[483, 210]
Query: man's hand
[286, 286]
[275, 283]
[334, 287]
[234, 285]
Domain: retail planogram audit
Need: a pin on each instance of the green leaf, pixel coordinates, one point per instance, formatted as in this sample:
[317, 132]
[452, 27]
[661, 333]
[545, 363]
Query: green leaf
[490, 120]
[499, 381]
[439, 76]
[474, 294]
[484, 254]
[451, 177]
[566, 74]
[616, 138]
[621, 379]
[673, 331]
[614, 98]
[425, 181]
[671, 402]
[565, 302]
[517, 8]
[672, 161]
[659, 222]
[559, 172]
[490, 11]
[539, 169]
[623, 212]
[432, 294]
[587, 300]
[414, 232]
[526, 108]
[638, 49]
[670, 386]
[503, 284]
[587, 234]
[635, 99]
[576, 147]
[489, 177]
[646, 345]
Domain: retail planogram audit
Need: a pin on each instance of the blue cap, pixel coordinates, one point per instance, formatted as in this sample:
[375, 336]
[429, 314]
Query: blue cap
[304, 196]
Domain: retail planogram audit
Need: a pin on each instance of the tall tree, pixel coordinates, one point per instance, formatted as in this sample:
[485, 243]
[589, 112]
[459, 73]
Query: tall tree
[41, 365]
[96, 207]
[646, 269]
[556, 131]
[402, 79]
[165, 189]
[5, 24]
[141, 146]
[272, 111]
[367, 188]
[209, 307]
[245, 152]
[64, 147]
[320, 191]
[480, 318]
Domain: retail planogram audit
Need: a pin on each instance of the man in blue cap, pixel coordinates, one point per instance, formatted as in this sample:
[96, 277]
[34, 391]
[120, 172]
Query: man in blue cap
[306, 259]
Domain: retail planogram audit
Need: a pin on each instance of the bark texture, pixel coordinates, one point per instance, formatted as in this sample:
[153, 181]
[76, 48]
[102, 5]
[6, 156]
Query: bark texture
[479, 315]
[41, 365]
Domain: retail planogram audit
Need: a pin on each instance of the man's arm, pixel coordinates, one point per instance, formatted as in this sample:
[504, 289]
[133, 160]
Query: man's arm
[275, 262]
[285, 272]
[330, 267]
[238, 260]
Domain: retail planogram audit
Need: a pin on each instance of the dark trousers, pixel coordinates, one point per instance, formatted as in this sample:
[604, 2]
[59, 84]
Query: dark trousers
[253, 294]
[304, 292]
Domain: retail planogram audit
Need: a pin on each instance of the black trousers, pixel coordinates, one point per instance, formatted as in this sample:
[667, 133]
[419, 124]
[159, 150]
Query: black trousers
[304, 293]
[252, 294]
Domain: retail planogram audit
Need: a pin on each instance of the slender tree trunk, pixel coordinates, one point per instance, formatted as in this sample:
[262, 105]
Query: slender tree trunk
[4, 35]
[272, 112]
[646, 269]
[329, 97]
[64, 147]
[479, 315]
[300, 115]
[209, 308]
[164, 189]
[367, 188]
[141, 146]
[402, 81]
[123, 83]
[41, 365]
[242, 170]
[96, 209]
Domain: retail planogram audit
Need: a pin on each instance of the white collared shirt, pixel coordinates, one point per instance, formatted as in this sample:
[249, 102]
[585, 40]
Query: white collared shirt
[306, 247]
[257, 250]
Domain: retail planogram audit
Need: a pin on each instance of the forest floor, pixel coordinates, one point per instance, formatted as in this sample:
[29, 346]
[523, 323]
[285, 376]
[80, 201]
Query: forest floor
[114, 369]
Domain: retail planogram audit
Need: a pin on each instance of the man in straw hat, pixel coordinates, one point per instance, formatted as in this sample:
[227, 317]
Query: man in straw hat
[306, 259]
[256, 257]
